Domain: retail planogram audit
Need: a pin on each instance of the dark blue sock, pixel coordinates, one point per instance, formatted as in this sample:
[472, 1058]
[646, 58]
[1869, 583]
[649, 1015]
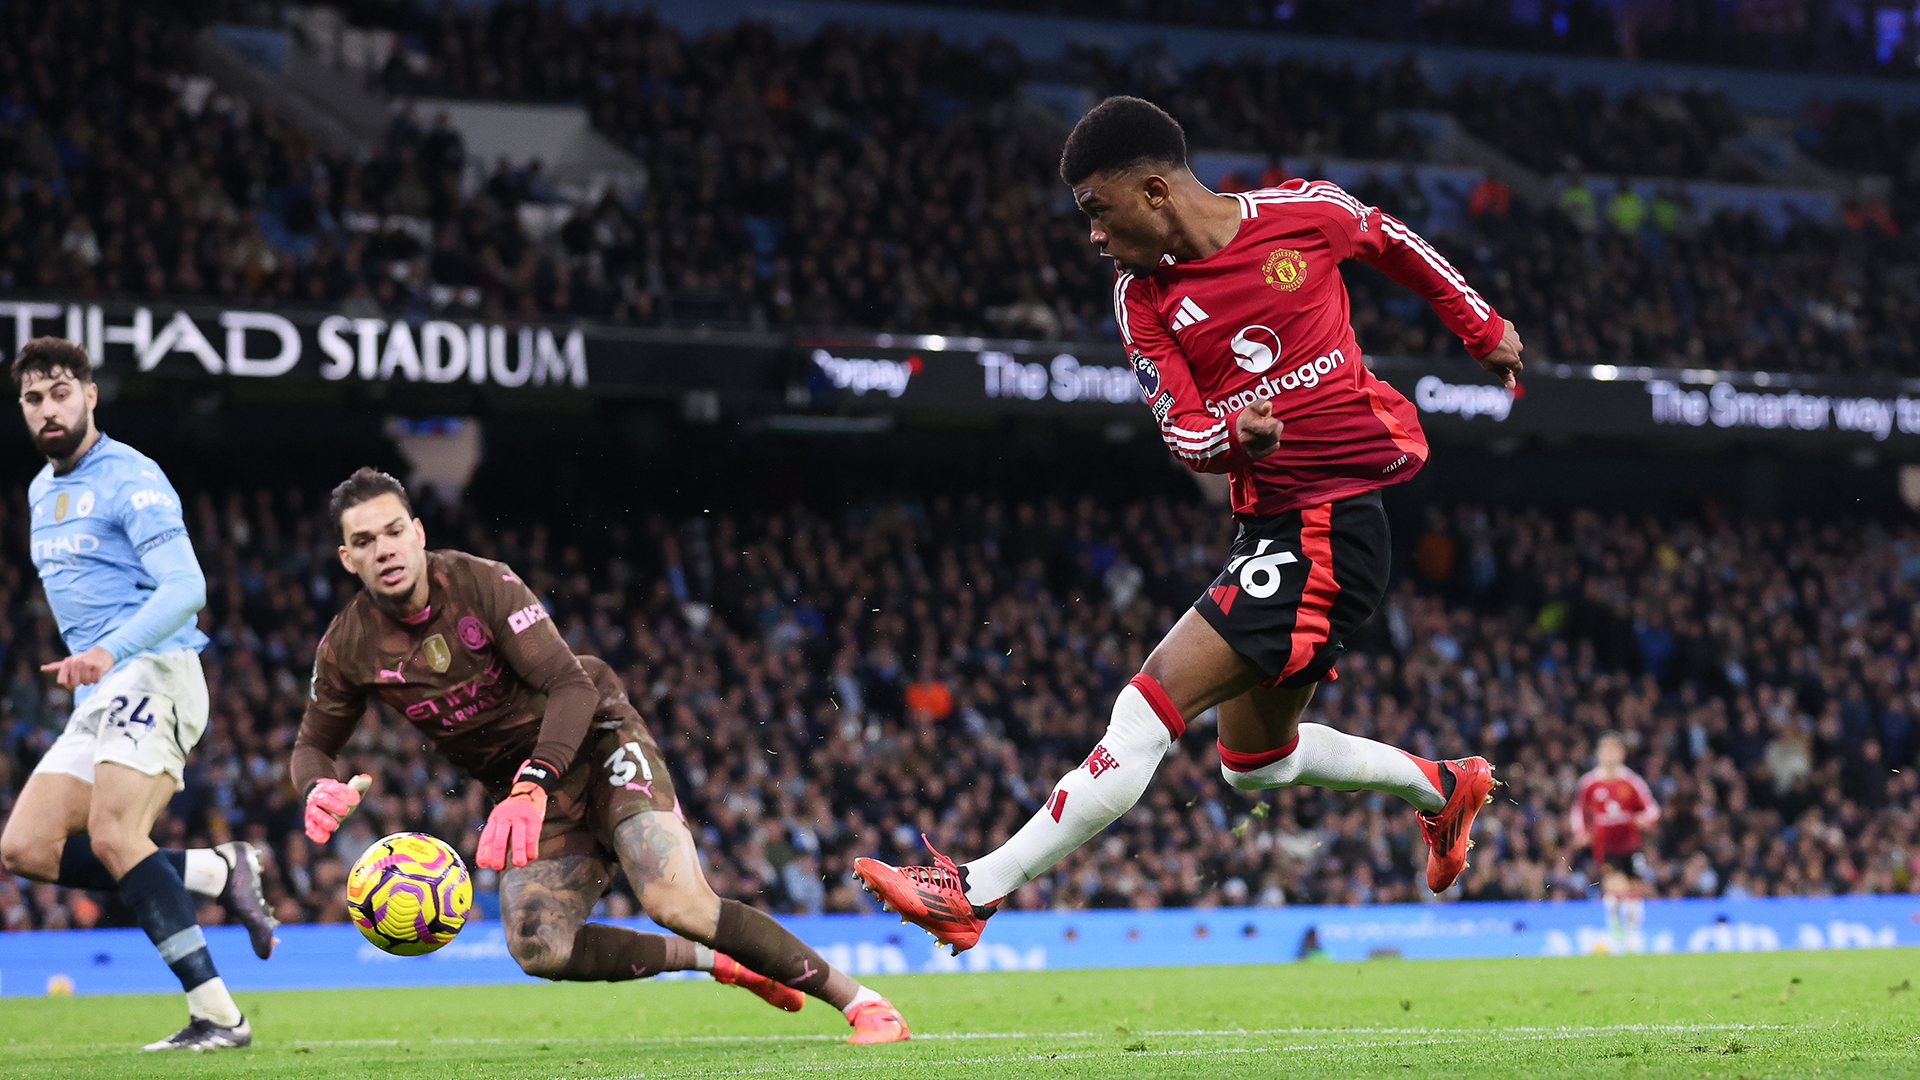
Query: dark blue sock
[163, 908]
[80, 868]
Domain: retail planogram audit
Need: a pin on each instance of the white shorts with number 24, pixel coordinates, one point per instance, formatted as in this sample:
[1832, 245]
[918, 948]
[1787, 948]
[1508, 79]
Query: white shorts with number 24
[147, 714]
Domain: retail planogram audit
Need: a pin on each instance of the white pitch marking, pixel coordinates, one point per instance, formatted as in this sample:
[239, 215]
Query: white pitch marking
[1574, 1031]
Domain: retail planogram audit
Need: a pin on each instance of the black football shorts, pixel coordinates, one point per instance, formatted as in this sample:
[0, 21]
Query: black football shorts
[1298, 584]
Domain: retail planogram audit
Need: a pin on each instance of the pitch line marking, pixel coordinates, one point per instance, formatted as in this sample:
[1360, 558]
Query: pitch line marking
[1566, 1030]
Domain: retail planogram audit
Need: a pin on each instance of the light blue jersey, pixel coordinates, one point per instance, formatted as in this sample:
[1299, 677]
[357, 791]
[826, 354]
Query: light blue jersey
[111, 547]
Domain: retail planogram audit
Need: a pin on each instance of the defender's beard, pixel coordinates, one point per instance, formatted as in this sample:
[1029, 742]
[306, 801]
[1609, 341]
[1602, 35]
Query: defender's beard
[61, 446]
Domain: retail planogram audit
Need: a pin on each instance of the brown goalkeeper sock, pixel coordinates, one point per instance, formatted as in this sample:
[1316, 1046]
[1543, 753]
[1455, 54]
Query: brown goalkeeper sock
[613, 954]
[765, 946]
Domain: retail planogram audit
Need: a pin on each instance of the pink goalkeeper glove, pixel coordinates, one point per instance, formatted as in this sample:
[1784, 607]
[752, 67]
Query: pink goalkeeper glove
[330, 800]
[514, 826]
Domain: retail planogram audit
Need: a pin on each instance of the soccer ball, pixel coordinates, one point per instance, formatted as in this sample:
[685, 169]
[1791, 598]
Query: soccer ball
[409, 893]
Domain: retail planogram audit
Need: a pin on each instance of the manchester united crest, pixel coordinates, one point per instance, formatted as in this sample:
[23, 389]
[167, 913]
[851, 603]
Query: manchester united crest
[437, 653]
[1285, 270]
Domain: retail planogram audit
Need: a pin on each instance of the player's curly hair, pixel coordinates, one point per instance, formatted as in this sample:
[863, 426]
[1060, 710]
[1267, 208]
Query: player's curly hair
[1118, 134]
[366, 484]
[47, 356]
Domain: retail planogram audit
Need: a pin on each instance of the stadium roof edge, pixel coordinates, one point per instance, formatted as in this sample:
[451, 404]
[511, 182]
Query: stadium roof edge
[1046, 37]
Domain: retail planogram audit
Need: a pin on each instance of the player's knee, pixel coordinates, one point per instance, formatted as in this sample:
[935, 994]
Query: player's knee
[535, 954]
[27, 855]
[112, 846]
[688, 910]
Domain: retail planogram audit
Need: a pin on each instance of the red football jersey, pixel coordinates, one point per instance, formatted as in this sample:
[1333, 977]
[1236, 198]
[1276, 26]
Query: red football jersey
[1607, 807]
[1267, 317]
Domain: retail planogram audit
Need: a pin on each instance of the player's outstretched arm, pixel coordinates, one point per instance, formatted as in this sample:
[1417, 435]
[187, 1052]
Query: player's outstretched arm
[335, 705]
[1384, 242]
[536, 652]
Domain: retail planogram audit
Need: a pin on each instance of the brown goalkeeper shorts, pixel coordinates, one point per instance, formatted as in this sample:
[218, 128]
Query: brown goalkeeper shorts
[618, 773]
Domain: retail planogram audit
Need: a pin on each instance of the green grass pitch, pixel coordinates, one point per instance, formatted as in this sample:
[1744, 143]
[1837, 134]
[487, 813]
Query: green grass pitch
[1788, 1014]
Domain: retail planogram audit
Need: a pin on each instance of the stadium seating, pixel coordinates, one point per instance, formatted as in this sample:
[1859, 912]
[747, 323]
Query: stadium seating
[831, 685]
[866, 179]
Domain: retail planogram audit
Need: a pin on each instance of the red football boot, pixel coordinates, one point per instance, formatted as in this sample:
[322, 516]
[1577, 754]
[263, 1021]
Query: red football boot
[929, 897]
[1448, 832]
[877, 1022]
[732, 972]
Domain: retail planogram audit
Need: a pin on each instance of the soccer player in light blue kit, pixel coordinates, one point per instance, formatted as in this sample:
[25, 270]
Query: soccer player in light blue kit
[111, 547]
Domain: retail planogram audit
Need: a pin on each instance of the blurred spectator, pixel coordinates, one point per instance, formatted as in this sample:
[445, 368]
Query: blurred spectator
[965, 651]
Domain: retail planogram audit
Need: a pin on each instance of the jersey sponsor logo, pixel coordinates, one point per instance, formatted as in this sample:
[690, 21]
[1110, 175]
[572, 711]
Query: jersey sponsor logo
[1285, 269]
[67, 546]
[472, 634]
[1307, 374]
[1255, 348]
[466, 700]
[437, 653]
[525, 617]
[1146, 372]
[1163, 408]
[143, 499]
[1189, 313]
[83, 506]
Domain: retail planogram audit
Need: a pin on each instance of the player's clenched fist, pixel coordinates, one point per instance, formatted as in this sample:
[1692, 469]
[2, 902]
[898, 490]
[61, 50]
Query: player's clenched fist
[1258, 429]
[513, 829]
[329, 801]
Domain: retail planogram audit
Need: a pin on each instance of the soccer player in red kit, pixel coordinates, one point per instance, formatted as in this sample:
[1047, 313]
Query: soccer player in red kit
[1236, 321]
[1611, 811]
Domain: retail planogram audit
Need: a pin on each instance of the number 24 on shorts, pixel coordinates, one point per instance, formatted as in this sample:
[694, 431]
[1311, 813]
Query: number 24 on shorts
[622, 770]
[140, 715]
[1259, 572]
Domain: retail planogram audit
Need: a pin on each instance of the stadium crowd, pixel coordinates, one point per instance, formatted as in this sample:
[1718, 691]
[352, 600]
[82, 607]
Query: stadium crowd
[861, 179]
[831, 686]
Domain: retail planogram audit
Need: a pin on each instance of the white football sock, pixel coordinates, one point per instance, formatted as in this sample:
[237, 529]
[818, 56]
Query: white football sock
[861, 998]
[1088, 799]
[1632, 911]
[702, 957]
[211, 1001]
[1333, 759]
[206, 872]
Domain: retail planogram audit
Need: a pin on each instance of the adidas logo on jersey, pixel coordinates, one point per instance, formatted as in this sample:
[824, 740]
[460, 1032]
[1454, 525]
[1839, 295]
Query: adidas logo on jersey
[1189, 314]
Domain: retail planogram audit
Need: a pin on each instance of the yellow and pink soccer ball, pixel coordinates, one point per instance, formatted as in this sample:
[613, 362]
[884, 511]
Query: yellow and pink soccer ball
[409, 893]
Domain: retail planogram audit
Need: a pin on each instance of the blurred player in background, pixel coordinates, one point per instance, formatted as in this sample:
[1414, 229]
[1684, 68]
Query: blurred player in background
[1235, 319]
[1612, 810]
[465, 651]
[112, 551]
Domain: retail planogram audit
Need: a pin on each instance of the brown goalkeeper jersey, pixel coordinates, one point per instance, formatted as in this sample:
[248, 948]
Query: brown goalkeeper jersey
[482, 673]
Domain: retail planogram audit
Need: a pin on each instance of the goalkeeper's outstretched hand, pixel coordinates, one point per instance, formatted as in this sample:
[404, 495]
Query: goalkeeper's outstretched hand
[328, 801]
[513, 829]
